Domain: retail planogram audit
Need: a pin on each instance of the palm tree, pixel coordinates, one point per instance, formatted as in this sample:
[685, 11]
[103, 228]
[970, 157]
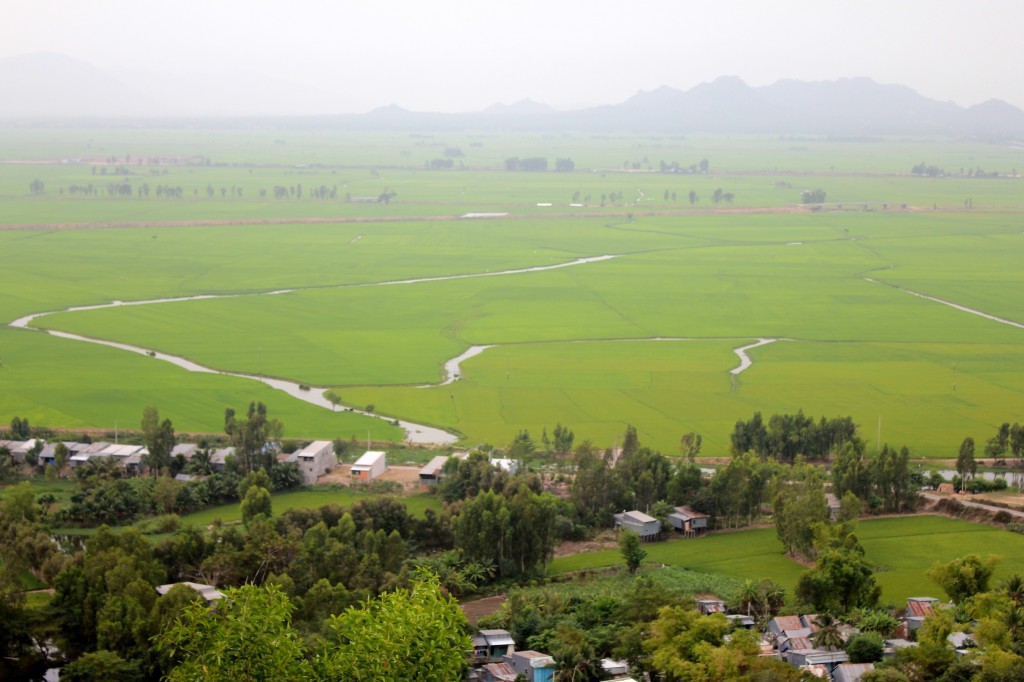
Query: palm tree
[1014, 588]
[828, 636]
[201, 463]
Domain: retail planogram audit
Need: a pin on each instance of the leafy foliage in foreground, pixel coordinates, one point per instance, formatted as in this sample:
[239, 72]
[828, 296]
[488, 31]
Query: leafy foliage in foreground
[404, 635]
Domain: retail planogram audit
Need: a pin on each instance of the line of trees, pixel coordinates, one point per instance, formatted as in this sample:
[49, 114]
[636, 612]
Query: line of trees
[812, 196]
[786, 436]
[531, 164]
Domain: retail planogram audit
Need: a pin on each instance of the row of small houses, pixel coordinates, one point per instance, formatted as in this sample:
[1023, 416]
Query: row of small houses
[313, 461]
[685, 520]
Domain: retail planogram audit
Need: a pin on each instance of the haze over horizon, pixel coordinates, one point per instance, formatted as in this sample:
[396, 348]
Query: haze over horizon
[319, 57]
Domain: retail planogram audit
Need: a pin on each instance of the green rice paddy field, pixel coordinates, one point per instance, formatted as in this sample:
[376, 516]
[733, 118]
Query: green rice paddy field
[902, 550]
[645, 337]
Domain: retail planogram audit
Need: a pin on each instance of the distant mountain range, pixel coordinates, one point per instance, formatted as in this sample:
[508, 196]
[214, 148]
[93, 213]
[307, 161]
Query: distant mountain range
[57, 86]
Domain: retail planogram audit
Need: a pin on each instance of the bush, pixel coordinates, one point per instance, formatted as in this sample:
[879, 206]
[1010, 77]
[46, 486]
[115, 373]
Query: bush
[165, 523]
[950, 506]
[865, 648]
[1003, 517]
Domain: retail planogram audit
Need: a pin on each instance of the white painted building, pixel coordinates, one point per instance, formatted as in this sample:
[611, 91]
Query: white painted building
[372, 464]
[315, 460]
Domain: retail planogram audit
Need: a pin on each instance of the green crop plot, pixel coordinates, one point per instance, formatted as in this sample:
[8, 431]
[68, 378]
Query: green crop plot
[902, 550]
[574, 345]
[310, 498]
[71, 384]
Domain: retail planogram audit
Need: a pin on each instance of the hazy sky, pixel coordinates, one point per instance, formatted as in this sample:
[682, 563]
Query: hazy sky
[461, 55]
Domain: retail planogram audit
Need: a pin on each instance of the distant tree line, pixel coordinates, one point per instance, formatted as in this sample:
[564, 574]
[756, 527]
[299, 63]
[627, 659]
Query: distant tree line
[531, 164]
[932, 171]
[812, 196]
[676, 167]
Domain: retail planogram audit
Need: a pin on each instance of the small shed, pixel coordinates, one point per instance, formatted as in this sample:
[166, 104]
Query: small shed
[430, 475]
[492, 645]
[497, 672]
[534, 665]
[709, 606]
[509, 466]
[647, 527]
[741, 621]
[219, 458]
[186, 450]
[372, 464]
[831, 659]
[687, 521]
[919, 608]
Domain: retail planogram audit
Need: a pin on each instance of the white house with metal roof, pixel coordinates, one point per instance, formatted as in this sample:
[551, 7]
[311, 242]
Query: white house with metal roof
[372, 464]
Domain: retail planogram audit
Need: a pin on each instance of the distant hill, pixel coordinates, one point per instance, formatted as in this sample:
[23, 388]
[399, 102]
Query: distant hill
[57, 86]
[846, 107]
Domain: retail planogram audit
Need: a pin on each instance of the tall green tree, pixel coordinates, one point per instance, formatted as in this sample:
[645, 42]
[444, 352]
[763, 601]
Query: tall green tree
[61, 455]
[632, 551]
[20, 429]
[252, 437]
[516, 534]
[841, 579]
[158, 437]
[257, 502]
[247, 638]
[407, 635]
[597, 491]
[965, 464]
[964, 576]
[798, 506]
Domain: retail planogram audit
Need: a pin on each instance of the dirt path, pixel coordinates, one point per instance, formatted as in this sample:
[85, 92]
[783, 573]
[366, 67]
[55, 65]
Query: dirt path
[477, 609]
[935, 497]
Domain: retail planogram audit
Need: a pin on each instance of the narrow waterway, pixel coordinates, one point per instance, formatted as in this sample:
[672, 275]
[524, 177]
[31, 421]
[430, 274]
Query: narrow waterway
[415, 433]
[957, 306]
[745, 361]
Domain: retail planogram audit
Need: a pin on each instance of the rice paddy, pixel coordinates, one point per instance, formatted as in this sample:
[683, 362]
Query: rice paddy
[644, 338]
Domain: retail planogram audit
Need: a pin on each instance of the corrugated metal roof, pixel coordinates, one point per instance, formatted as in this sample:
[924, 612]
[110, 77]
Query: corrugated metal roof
[369, 458]
[434, 466]
[851, 672]
[919, 609]
[783, 623]
[639, 516]
[688, 513]
[500, 671]
[795, 643]
[497, 637]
